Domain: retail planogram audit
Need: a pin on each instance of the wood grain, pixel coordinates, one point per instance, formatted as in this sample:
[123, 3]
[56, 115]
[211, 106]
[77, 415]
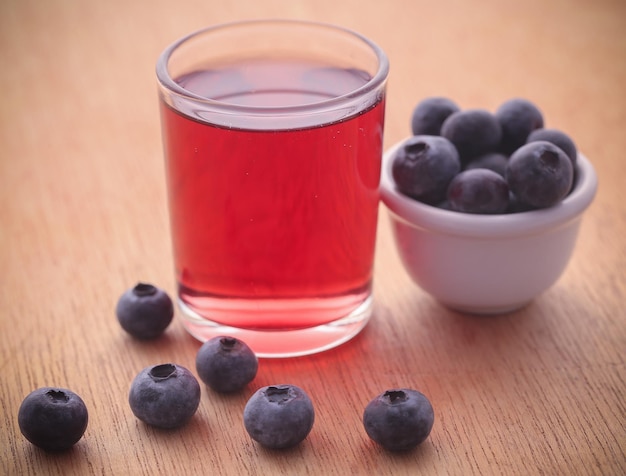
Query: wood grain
[83, 216]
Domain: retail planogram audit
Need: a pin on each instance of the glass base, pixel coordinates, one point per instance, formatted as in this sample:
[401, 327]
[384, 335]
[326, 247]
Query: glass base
[283, 343]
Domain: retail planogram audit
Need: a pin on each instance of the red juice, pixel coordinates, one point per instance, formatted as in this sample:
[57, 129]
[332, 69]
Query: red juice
[273, 228]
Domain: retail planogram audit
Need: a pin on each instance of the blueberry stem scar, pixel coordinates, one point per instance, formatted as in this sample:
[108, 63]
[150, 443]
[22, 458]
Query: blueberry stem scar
[277, 395]
[395, 396]
[228, 343]
[143, 289]
[418, 147]
[549, 158]
[57, 395]
[162, 372]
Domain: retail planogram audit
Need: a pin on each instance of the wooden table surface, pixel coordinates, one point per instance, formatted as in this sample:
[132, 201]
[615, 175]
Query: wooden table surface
[83, 217]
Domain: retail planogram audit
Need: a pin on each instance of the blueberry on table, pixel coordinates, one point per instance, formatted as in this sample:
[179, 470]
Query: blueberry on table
[399, 419]
[540, 174]
[226, 364]
[53, 418]
[478, 191]
[279, 416]
[164, 396]
[423, 166]
[429, 114]
[473, 132]
[518, 117]
[558, 138]
[144, 311]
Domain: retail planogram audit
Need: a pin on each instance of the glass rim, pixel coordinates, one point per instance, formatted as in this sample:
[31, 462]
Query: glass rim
[167, 82]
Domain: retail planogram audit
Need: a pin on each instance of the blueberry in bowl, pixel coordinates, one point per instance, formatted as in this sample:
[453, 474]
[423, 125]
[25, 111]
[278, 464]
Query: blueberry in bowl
[491, 263]
[429, 115]
[518, 118]
[424, 166]
[478, 190]
[473, 132]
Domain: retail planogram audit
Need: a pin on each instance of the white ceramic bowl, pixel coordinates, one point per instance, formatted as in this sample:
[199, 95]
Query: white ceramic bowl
[486, 264]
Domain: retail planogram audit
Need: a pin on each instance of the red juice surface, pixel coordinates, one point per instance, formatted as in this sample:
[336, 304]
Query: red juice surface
[273, 228]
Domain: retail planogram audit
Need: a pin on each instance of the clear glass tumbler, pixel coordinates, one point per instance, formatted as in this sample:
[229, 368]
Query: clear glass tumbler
[272, 135]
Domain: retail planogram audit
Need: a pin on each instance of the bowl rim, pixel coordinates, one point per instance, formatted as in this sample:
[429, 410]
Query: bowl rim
[428, 217]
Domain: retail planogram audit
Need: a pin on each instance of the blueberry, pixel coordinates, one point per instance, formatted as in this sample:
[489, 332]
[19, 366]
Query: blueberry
[52, 418]
[399, 419]
[518, 118]
[478, 191]
[429, 114]
[423, 167]
[279, 416]
[165, 396]
[473, 132]
[144, 311]
[492, 160]
[539, 174]
[445, 205]
[515, 206]
[226, 364]
[558, 138]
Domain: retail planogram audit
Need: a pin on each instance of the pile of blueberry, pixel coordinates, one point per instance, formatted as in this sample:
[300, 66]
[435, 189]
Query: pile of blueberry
[475, 161]
[168, 395]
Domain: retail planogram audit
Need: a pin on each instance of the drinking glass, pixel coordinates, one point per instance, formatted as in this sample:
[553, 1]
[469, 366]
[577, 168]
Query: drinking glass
[272, 135]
